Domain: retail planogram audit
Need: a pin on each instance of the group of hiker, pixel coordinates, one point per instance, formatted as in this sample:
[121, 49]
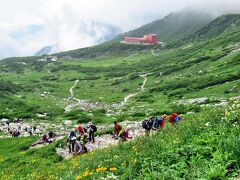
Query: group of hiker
[81, 135]
[77, 140]
[16, 131]
[155, 123]
[148, 124]
[16, 127]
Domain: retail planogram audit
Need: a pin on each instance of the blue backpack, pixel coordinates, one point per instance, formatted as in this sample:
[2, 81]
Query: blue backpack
[159, 120]
[177, 118]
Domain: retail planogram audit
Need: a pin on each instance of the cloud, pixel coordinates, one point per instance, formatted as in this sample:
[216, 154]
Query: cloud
[26, 26]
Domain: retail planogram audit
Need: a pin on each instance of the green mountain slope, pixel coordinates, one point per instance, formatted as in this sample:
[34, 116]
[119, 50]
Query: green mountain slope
[209, 68]
[221, 24]
[173, 27]
[105, 49]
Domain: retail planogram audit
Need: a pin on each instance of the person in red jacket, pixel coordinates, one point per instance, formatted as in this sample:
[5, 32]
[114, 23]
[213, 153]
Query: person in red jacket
[163, 117]
[172, 117]
[80, 129]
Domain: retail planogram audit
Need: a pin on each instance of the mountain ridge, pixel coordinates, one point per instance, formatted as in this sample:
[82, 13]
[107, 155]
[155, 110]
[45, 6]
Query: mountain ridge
[48, 50]
[172, 27]
[216, 27]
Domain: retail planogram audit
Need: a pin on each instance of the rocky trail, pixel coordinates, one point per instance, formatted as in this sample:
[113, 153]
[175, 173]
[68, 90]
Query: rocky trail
[105, 140]
[71, 89]
[102, 141]
[62, 130]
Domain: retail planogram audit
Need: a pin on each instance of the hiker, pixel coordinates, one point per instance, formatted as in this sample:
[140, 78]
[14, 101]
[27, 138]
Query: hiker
[30, 131]
[81, 130]
[78, 147]
[34, 129]
[51, 134]
[159, 122]
[174, 118]
[70, 143]
[18, 127]
[163, 117]
[45, 138]
[92, 130]
[15, 133]
[147, 125]
[83, 141]
[117, 128]
[124, 134]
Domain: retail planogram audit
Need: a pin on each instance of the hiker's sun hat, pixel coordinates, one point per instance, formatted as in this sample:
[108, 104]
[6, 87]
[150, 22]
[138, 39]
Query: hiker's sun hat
[73, 138]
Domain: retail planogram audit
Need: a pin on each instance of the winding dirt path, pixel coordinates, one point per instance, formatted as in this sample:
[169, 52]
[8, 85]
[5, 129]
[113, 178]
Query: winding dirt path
[71, 89]
[126, 98]
[89, 105]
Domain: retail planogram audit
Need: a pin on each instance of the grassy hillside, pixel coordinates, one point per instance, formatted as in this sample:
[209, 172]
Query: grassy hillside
[104, 50]
[203, 146]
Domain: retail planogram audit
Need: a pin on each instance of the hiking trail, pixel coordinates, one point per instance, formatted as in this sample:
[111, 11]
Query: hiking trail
[88, 105]
[105, 140]
[126, 98]
[71, 89]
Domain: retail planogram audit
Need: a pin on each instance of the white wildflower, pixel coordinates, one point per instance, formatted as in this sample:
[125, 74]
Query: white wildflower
[207, 124]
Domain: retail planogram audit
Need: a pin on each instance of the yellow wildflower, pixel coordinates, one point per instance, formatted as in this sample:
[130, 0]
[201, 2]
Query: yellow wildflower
[86, 173]
[78, 177]
[104, 168]
[101, 169]
[113, 169]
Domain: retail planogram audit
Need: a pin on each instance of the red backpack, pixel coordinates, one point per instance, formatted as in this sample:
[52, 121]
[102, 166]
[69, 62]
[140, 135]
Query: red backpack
[172, 116]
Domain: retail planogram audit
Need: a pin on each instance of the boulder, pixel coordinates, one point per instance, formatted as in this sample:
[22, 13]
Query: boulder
[67, 123]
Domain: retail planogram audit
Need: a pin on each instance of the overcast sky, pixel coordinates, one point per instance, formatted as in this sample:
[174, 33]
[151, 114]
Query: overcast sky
[28, 25]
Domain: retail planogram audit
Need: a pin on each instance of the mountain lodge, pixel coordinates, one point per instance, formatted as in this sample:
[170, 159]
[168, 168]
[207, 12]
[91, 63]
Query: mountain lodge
[146, 39]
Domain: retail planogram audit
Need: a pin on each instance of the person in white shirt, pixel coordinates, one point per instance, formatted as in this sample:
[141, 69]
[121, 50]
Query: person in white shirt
[77, 145]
